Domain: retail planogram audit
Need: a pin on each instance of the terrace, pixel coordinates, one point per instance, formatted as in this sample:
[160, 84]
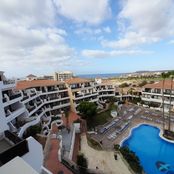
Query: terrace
[11, 146]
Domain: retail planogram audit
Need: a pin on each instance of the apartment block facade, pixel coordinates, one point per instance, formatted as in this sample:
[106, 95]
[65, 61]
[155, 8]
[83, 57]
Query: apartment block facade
[152, 94]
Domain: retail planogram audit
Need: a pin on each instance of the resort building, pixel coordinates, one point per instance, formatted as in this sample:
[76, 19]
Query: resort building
[62, 76]
[26, 103]
[105, 90]
[88, 90]
[152, 94]
[11, 107]
[81, 90]
[31, 77]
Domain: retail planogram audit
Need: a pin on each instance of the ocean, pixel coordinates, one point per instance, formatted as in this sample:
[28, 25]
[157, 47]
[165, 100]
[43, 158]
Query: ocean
[92, 76]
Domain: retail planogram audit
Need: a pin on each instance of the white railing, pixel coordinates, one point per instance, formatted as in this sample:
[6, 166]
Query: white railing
[15, 114]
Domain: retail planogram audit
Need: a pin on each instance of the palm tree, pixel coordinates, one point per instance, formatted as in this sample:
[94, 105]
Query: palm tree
[171, 87]
[163, 75]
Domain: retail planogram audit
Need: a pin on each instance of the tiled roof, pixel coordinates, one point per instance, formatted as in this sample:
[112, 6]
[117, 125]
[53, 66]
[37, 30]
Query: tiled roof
[36, 83]
[159, 85]
[77, 80]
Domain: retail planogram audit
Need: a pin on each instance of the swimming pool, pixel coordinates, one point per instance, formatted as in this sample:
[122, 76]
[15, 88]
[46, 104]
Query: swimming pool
[156, 155]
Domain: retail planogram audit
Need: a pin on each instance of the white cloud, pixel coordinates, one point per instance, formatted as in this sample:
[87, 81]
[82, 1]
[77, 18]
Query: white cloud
[110, 54]
[27, 13]
[92, 31]
[29, 38]
[143, 22]
[130, 39]
[87, 11]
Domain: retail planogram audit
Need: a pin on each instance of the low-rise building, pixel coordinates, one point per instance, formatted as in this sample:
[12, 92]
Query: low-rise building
[62, 76]
[152, 94]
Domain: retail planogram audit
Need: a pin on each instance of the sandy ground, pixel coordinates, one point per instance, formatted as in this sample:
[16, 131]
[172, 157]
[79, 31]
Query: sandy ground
[103, 159]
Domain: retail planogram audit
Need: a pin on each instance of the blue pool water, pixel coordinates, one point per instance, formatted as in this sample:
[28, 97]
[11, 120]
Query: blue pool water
[151, 150]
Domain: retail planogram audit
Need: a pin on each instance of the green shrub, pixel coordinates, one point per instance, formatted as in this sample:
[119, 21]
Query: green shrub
[132, 159]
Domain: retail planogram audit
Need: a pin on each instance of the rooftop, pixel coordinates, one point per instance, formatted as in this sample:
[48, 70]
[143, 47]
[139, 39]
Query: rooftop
[159, 85]
[77, 80]
[36, 83]
[31, 75]
[16, 166]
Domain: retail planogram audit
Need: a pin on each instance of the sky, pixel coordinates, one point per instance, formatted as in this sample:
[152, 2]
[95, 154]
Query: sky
[85, 36]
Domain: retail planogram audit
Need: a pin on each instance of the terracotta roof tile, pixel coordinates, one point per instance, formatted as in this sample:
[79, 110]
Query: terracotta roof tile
[36, 83]
[159, 85]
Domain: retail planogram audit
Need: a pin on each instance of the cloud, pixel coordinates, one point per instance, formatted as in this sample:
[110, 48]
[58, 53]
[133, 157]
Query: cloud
[92, 31]
[130, 39]
[28, 13]
[29, 36]
[143, 22]
[111, 54]
[85, 11]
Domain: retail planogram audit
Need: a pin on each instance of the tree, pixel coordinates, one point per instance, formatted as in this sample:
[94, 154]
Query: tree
[82, 163]
[164, 76]
[112, 99]
[171, 88]
[144, 82]
[88, 110]
[124, 85]
[132, 159]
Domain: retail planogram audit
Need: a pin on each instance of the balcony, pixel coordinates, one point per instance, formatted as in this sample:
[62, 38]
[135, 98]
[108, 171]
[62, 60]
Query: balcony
[82, 96]
[38, 103]
[32, 95]
[15, 113]
[31, 108]
[62, 88]
[53, 89]
[4, 100]
[8, 84]
[15, 96]
[25, 98]
[19, 148]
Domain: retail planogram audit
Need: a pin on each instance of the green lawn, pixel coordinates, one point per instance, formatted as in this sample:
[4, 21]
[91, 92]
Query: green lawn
[103, 117]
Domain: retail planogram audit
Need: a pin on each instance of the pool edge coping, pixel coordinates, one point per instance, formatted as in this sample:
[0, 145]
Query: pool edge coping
[138, 125]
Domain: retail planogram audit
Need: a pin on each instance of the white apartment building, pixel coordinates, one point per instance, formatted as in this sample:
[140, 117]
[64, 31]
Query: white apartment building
[15, 151]
[62, 76]
[152, 93]
[26, 103]
[88, 90]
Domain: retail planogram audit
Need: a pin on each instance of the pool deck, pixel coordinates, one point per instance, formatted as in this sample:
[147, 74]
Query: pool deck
[103, 160]
[135, 123]
[133, 114]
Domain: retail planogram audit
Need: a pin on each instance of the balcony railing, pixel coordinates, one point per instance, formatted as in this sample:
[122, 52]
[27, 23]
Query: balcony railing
[62, 88]
[25, 98]
[33, 94]
[7, 82]
[31, 108]
[15, 96]
[4, 100]
[12, 137]
[19, 149]
[38, 103]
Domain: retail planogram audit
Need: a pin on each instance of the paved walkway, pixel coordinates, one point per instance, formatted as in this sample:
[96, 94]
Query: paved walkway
[52, 163]
[104, 160]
